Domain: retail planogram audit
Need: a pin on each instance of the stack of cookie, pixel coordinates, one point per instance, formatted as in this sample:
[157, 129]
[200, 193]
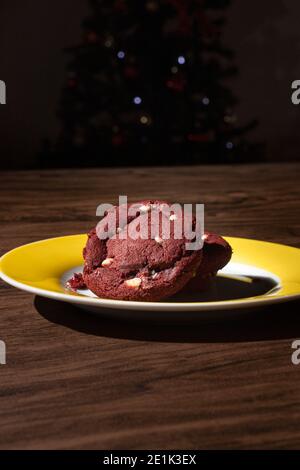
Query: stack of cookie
[121, 266]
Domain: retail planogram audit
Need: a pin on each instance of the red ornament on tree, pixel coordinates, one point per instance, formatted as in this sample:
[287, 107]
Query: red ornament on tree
[92, 37]
[120, 5]
[72, 83]
[205, 137]
[117, 140]
[176, 84]
[188, 12]
[131, 72]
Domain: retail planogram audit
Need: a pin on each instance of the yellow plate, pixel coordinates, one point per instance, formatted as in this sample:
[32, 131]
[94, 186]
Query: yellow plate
[259, 273]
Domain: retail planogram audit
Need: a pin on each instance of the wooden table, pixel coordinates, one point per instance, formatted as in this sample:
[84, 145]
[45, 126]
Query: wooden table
[74, 381]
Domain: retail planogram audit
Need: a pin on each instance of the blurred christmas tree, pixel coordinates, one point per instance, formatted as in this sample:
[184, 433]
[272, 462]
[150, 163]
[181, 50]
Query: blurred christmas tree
[147, 86]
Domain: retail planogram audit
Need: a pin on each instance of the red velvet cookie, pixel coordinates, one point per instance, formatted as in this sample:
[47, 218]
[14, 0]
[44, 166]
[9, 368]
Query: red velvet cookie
[150, 269]
[216, 254]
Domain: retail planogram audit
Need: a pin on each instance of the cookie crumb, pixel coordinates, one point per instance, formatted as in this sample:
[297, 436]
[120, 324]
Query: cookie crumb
[76, 282]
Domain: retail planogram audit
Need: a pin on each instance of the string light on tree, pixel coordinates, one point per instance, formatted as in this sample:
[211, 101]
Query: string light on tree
[109, 42]
[205, 101]
[121, 55]
[145, 120]
[174, 69]
[229, 145]
[230, 119]
[137, 100]
[181, 60]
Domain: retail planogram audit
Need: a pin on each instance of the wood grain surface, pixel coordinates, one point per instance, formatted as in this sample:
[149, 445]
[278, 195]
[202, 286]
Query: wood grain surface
[74, 381]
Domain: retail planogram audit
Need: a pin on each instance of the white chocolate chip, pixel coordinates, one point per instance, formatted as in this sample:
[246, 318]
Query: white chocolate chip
[173, 217]
[135, 282]
[145, 208]
[158, 239]
[107, 262]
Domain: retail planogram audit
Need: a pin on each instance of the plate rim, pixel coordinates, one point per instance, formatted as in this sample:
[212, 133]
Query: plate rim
[247, 302]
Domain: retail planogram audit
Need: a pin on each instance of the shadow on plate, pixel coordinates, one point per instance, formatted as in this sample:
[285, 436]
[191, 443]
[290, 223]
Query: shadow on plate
[278, 321]
[229, 288]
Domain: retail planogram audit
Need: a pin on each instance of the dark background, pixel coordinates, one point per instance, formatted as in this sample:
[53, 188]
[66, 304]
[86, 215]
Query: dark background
[264, 35]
